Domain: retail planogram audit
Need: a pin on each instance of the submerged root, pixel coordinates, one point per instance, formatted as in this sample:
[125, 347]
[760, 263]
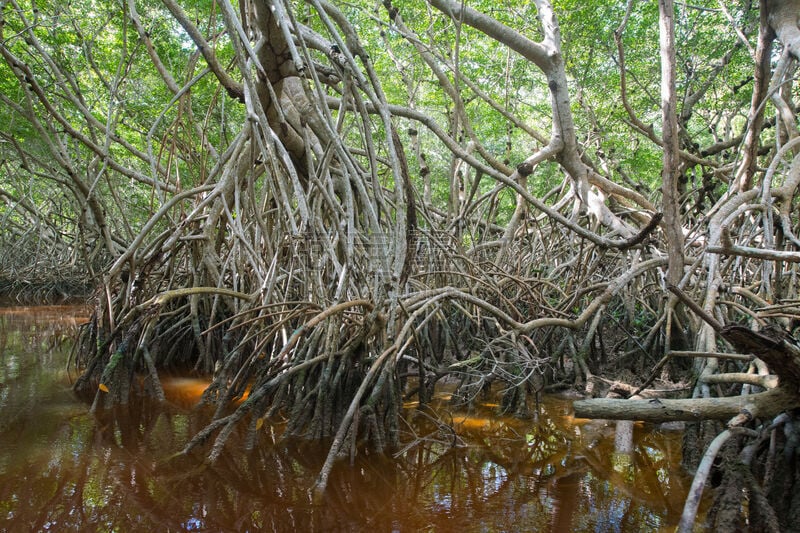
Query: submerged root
[758, 478]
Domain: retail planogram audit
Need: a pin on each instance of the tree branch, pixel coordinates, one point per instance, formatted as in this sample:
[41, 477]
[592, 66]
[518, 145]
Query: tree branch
[763, 405]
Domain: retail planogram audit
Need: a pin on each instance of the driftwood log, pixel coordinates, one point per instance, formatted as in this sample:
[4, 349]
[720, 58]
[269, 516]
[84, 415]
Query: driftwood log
[772, 345]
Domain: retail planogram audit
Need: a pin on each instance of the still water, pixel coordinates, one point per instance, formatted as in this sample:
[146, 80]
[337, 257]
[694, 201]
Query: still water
[62, 469]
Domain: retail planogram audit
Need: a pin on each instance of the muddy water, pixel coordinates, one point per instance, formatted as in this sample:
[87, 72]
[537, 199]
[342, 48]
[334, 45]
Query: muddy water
[62, 469]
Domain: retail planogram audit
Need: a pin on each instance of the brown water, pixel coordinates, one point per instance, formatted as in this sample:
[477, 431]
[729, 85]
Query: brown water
[62, 469]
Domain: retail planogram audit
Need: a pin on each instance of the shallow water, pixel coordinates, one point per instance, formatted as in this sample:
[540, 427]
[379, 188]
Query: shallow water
[62, 469]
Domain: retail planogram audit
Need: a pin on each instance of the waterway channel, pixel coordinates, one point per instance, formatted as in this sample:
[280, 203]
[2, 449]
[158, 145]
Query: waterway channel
[64, 469]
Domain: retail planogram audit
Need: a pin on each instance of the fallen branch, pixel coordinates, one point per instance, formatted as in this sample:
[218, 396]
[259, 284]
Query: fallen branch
[765, 404]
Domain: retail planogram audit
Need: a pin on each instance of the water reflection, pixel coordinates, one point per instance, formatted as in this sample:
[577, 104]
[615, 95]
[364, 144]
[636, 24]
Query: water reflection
[61, 469]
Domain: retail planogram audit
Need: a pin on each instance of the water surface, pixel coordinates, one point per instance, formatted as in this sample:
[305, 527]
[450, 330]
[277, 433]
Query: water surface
[62, 469]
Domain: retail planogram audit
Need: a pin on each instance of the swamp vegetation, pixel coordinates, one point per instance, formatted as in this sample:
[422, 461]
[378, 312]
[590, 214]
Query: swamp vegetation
[65, 469]
[335, 208]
